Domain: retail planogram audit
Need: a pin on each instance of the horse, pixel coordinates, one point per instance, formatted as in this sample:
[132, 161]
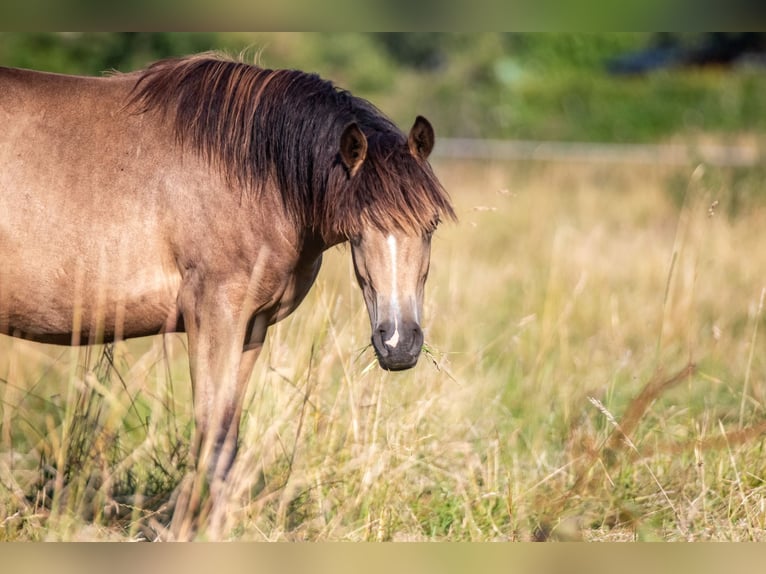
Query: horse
[198, 195]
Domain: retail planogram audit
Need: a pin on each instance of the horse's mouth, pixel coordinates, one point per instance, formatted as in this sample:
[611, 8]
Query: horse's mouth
[392, 366]
[394, 360]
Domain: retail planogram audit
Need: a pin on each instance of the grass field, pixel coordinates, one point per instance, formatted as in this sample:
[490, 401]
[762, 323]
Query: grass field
[594, 370]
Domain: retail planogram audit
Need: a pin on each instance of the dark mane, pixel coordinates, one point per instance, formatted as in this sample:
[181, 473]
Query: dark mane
[253, 124]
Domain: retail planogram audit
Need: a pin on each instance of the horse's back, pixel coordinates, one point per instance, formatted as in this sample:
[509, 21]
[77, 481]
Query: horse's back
[53, 123]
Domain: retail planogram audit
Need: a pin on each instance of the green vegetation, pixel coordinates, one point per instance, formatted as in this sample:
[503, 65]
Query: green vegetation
[528, 86]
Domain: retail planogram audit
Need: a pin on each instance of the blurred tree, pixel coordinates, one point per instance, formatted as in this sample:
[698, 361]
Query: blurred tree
[418, 50]
[96, 52]
[675, 50]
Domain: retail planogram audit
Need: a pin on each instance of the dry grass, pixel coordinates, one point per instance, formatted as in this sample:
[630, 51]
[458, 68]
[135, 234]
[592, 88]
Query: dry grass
[594, 371]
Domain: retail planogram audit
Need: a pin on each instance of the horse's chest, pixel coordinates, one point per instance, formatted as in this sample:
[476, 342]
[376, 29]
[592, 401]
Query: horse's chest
[297, 287]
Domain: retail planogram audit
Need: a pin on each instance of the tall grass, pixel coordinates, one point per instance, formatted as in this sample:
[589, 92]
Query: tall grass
[593, 370]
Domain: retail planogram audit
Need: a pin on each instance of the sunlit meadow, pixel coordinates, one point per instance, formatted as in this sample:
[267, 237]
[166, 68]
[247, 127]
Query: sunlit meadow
[593, 370]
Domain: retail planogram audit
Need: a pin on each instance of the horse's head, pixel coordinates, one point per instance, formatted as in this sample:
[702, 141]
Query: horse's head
[392, 256]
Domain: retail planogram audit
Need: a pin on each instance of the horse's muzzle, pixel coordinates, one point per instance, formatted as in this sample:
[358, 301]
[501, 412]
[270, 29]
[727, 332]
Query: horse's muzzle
[397, 345]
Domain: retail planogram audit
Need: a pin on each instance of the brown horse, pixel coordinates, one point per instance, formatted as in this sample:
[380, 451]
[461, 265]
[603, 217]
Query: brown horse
[198, 195]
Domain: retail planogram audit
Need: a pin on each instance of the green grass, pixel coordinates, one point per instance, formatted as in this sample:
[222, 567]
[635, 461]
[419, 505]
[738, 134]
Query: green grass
[594, 371]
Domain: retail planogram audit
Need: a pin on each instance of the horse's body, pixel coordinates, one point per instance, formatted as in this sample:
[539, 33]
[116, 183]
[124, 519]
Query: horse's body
[198, 196]
[103, 215]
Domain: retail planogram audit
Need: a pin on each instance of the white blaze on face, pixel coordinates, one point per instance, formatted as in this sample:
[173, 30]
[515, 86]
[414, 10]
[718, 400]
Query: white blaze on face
[394, 340]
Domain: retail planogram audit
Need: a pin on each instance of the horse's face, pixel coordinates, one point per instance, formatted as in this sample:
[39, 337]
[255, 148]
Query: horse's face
[391, 269]
[392, 266]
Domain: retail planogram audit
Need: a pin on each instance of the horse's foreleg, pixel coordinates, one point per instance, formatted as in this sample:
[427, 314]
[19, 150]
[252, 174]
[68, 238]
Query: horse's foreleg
[222, 435]
[223, 347]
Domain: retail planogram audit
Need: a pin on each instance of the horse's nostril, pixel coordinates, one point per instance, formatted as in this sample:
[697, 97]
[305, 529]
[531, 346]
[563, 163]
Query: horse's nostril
[380, 335]
[417, 336]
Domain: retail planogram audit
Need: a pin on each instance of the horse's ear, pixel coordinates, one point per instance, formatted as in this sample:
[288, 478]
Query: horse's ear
[421, 139]
[353, 147]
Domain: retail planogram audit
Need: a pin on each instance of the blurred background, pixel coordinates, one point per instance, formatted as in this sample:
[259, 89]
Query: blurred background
[637, 87]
